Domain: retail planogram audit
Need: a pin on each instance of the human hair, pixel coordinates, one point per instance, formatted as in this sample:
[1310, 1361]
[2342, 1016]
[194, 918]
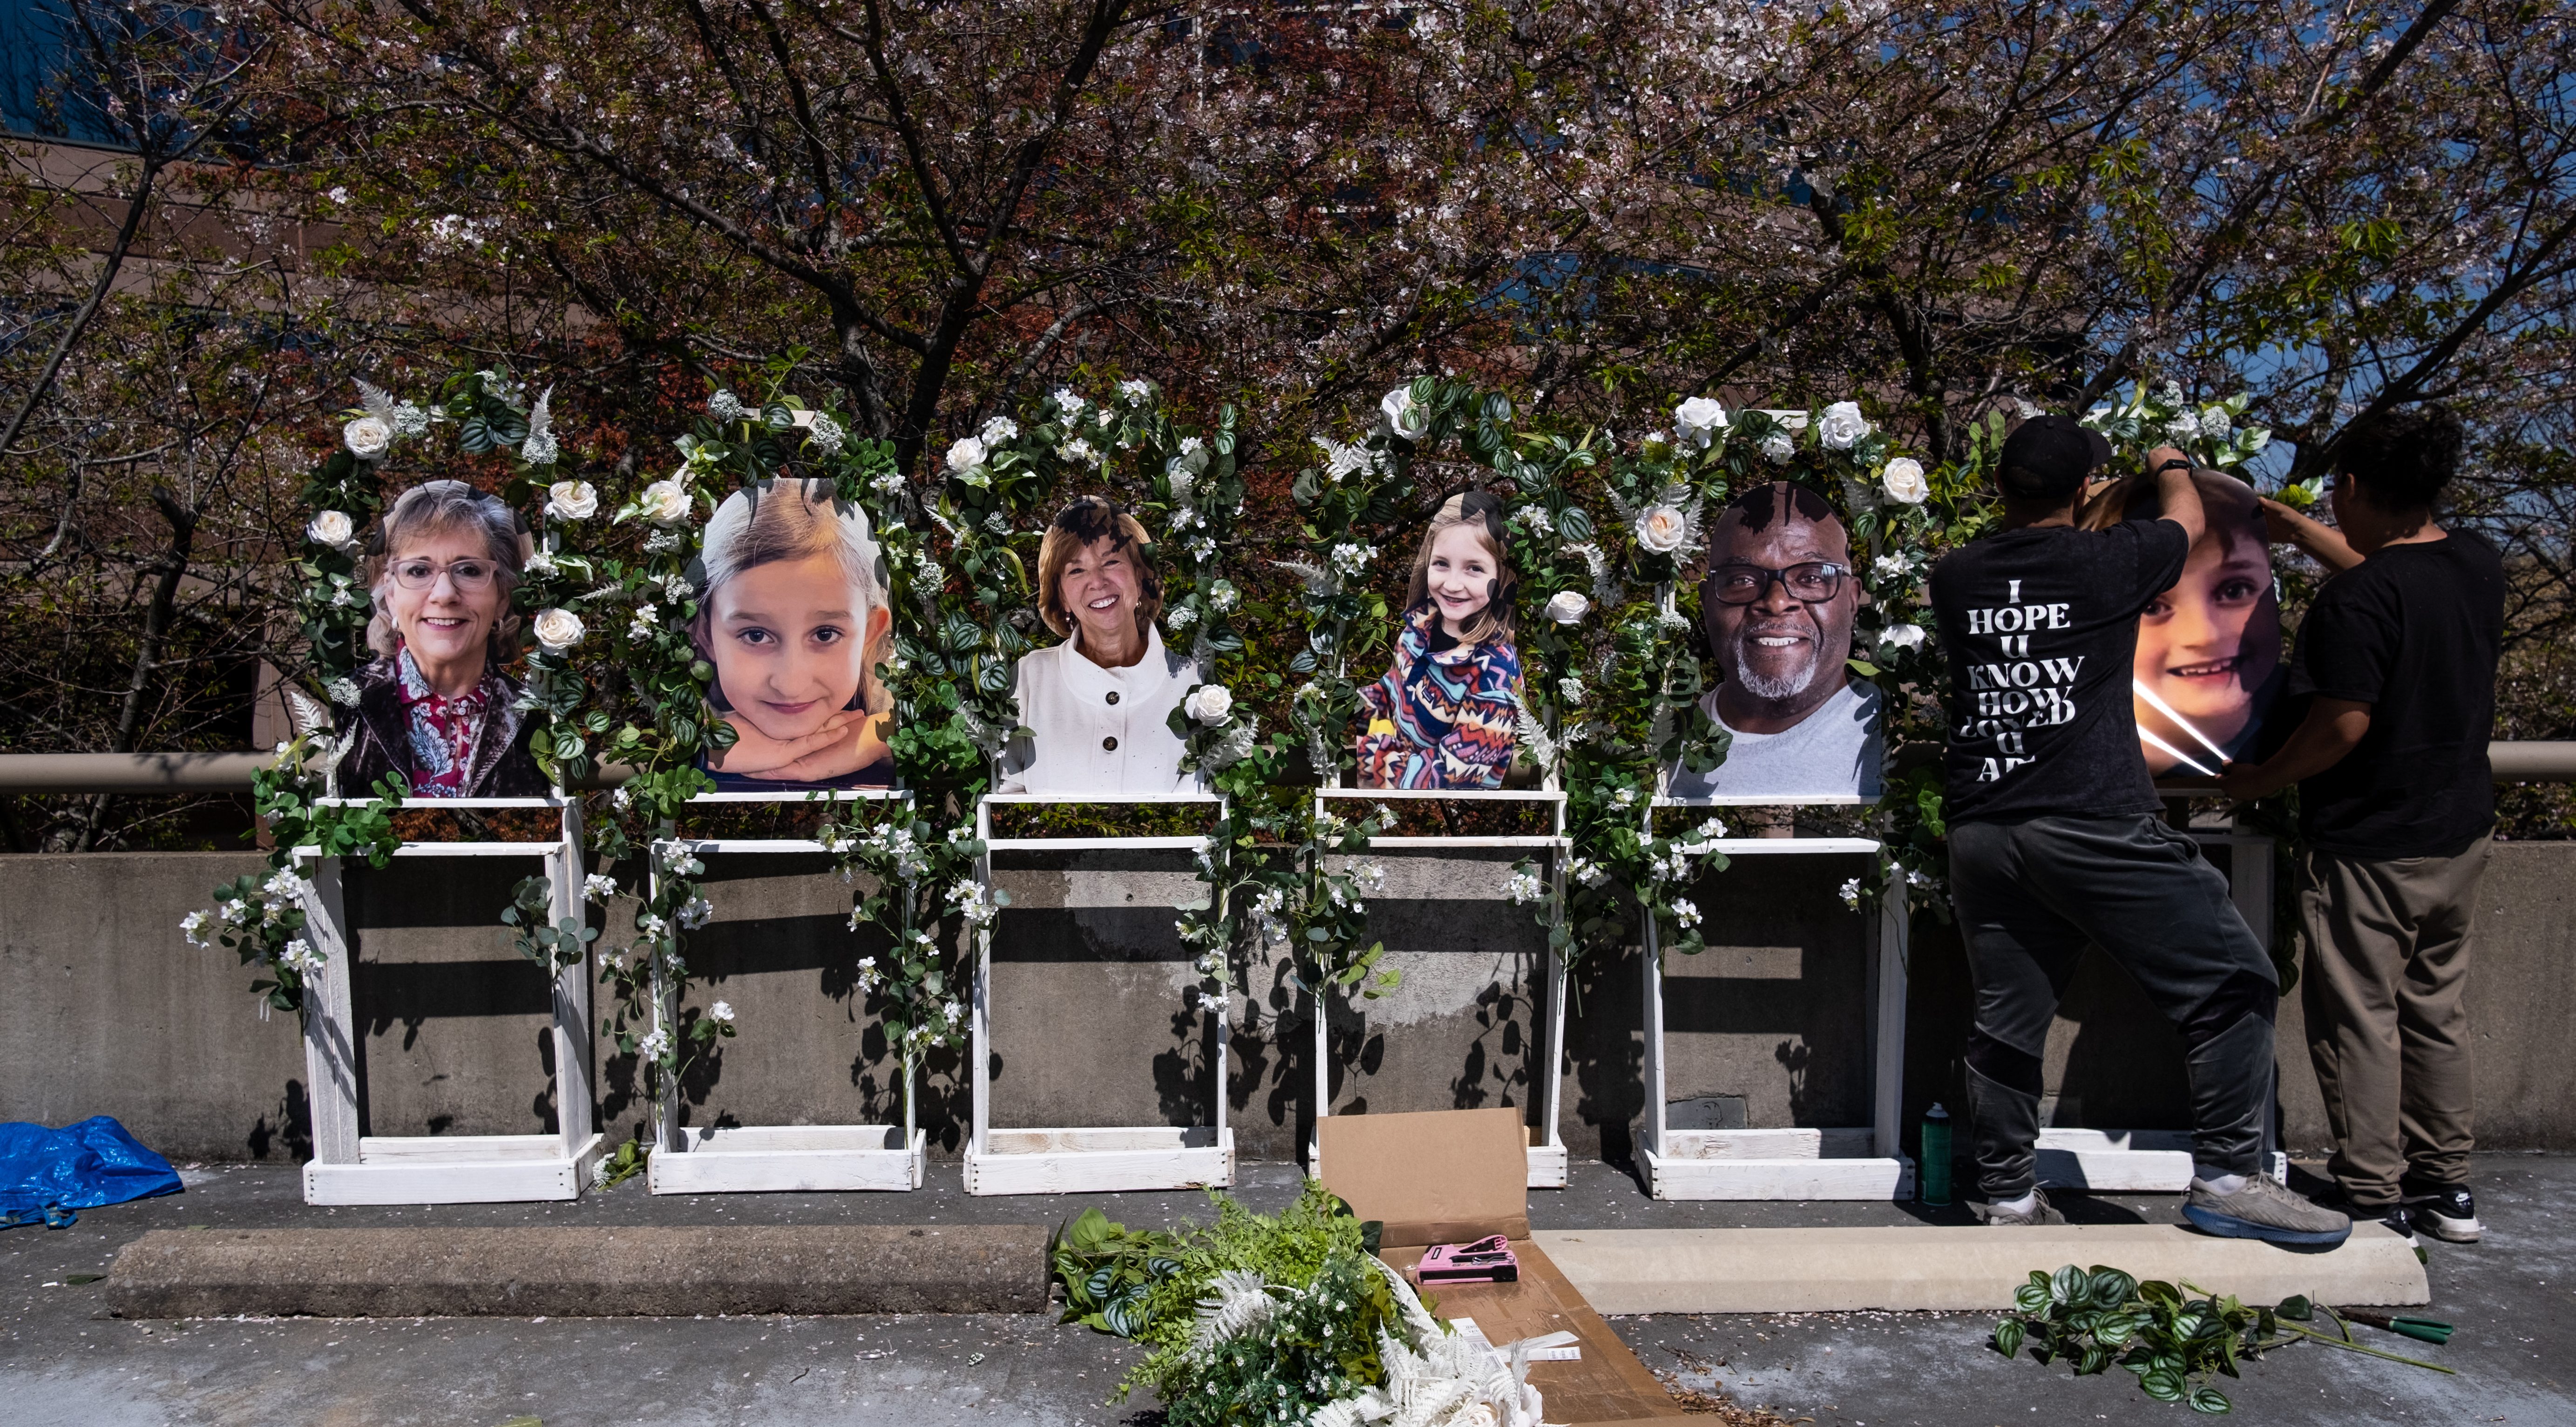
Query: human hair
[445, 507]
[1482, 512]
[796, 520]
[1093, 518]
[2403, 459]
[2235, 513]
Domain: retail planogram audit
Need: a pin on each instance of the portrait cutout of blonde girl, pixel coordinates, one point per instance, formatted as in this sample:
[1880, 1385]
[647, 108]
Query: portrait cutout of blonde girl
[1446, 714]
[2209, 649]
[793, 616]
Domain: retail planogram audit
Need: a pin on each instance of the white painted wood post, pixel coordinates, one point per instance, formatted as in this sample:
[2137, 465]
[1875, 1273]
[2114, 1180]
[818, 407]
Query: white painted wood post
[330, 1020]
[573, 1095]
[1650, 974]
[979, 1134]
[1892, 934]
[666, 1019]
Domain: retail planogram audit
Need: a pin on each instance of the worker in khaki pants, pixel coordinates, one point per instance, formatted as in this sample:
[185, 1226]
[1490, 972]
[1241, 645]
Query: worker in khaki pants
[2397, 660]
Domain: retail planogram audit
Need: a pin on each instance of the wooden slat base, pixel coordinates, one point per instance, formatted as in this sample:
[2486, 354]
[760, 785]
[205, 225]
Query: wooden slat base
[469, 1169]
[1101, 1161]
[772, 1159]
[1607, 1384]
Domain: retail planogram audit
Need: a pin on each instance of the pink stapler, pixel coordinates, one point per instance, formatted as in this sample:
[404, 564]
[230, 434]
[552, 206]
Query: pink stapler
[1484, 1261]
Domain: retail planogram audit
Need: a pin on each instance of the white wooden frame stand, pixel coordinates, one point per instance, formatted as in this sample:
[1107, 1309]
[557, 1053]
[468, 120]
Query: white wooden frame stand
[1088, 1160]
[2159, 1161]
[348, 1168]
[1841, 1163]
[754, 1159]
[1547, 1157]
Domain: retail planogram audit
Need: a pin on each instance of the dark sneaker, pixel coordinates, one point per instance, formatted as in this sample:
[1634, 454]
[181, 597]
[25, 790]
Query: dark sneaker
[2040, 1212]
[2450, 1215]
[2264, 1209]
[2398, 1222]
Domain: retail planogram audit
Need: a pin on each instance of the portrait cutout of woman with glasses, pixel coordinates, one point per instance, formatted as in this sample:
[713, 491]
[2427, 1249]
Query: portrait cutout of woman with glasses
[1778, 603]
[435, 705]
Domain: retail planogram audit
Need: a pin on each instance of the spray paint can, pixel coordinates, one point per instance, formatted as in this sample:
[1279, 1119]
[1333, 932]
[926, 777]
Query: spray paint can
[1932, 1176]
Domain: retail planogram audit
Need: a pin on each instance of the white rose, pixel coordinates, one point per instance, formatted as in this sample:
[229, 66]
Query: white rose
[1568, 607]
[332, 528]
[966, 455]
[1699, 419]
[557, 629]
[1210, 704]
[1660, 531]
[368, 437]
[1403, 416]
[1842, 426]
[1904, 481]
[664, 502]
[572, 500]
[2183, 427]
[1902, 636]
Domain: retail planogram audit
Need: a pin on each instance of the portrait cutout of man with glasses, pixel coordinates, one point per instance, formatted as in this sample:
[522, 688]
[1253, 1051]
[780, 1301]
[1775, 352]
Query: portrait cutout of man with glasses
[1778, 602]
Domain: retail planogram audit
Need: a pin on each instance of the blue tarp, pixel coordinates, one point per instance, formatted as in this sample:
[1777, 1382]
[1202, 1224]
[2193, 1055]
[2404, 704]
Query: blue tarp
[45, 1174]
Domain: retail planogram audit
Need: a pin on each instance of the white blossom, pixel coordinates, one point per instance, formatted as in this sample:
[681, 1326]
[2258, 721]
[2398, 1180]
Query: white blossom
[1136, 390]
[1180, 617]
[1525, 888]
[2215, 423]
[997, 430]
[1850, 891]
[599, 887]
[725, 406]
[1662, 529]
[1210, 704]
[540, 563]
[1699, 420]
[1568, 607]
[822, 432]
[193, 926]
[1842, 427]
[1904, 482]
[664, 502]
[1901, 636]
[1777, 448]
[1351, 558]
[965, 455]
[655, 1045]
[368, 437]
[1222, 597]
[721, 1012]
[1533, 518]
[648, 622]
[333, 528]
[1570, 689]
[1068, 402]
[1685, 912]
[1404, 416]
[693, 913]
[2183, 427]
[344, 692]
[1078, 451]
[557, 630]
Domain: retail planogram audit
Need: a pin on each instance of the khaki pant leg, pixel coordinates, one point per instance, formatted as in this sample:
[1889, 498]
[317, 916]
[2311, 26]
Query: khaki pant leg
[2437, 1099]
[2349, 993]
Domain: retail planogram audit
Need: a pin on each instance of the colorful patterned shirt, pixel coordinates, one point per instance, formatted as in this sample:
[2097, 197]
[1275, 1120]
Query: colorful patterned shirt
[444, 731]
[1447, 718]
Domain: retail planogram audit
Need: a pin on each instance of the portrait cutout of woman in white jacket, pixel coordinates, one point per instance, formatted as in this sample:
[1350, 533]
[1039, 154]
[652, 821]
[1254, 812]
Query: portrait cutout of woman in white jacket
[1098, 705]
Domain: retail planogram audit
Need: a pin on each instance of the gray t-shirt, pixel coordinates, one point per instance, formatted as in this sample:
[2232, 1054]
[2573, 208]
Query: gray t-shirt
[1833, 752]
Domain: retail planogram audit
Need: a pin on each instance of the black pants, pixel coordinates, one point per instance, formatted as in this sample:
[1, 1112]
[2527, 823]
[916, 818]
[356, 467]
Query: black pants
[2030, 896]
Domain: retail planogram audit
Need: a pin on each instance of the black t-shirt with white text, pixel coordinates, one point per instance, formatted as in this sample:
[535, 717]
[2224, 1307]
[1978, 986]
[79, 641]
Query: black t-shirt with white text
[2041, 628]
[2414, 631]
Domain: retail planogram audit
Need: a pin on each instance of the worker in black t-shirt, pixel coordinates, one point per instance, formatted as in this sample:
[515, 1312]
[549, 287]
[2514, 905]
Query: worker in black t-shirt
[2396, 664]
[2056, 842]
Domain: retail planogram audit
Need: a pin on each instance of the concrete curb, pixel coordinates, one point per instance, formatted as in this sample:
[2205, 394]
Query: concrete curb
[1840, 1270]
[581, 1272]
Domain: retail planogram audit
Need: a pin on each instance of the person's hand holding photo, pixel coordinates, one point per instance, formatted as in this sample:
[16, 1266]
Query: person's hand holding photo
[848, 741]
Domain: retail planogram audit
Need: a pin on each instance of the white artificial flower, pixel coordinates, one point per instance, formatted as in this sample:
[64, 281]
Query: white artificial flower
[887, 482]
[648, 622]
[1842, 426]
[1570, 689]
[1891, 567]
[1136, 390]
[664, 502]
[368, 437]
[1067, 402]
[1222, 597]
[1351, 558]
[1193, 454]
[2172, 394]
[1078, 450]
[338, 194]
[1568, 607]
[1404, 416]
[194, 926]
[725, 406]
[822, 432]
[1904, 481]
[556, 629]
[1699, 420]
[1533, 518]
[965, 455]
[333, 528]
[1662, 529]
[344, 692]
[1902, 636]
[721, 1012]
[693, 913]
[1685, 912]
[1525, 888]
[1851, 893]
[655, 1045]
[2183, 427]
[541, 563]
[599, 887]
[674, 587]
[1179, 617]
[1778, 448]
[1210, 704]
[998, 430]
[1624, 798]
[2215, 423]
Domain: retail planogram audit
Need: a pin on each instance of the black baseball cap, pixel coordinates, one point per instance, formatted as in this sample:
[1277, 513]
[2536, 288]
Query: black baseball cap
[2048, 457]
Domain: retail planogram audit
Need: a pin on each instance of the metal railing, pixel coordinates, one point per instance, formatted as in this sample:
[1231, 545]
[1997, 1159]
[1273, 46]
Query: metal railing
[145, 774]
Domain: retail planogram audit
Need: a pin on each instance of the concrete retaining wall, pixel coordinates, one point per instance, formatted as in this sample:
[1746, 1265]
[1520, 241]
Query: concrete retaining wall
[109, 1011]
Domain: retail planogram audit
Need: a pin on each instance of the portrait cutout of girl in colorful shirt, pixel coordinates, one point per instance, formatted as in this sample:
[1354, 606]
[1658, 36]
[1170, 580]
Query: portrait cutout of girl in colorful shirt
[1446, 714]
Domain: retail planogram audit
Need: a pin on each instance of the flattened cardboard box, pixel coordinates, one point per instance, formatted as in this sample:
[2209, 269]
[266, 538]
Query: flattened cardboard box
[1449, 1176]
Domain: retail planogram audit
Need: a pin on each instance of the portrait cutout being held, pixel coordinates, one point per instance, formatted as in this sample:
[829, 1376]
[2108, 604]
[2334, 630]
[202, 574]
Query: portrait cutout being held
[1446, 714]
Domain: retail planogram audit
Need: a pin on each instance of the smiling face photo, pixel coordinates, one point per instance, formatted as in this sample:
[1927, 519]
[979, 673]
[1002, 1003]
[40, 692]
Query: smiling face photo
[794, 621]
[2208, 646]
[1462, 574]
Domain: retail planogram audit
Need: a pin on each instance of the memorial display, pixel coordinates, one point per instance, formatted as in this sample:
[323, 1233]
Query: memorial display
[1098, 706]
[1446, 714]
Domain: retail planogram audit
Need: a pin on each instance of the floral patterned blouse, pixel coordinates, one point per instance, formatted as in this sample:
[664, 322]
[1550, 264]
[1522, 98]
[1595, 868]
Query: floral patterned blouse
[1446, 717]
[444, 731]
